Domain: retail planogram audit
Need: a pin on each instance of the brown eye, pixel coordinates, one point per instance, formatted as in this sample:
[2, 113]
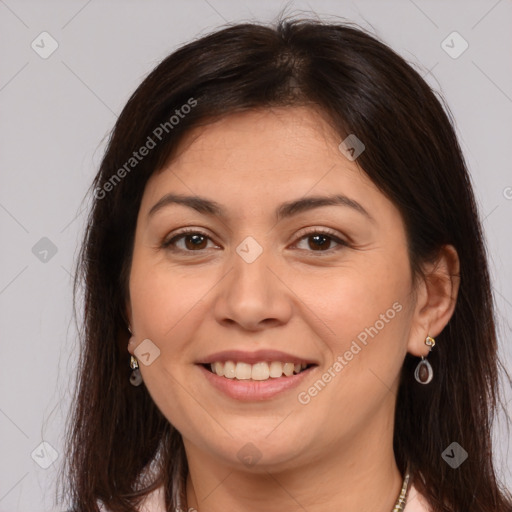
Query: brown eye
[192, 241]
[196, 241]
[320, 241]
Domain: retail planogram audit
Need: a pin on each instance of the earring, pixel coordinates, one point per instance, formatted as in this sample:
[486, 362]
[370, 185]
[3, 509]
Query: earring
[135, 377]
[424, 372]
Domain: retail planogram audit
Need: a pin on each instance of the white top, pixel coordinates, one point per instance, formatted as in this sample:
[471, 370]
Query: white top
[155, 502]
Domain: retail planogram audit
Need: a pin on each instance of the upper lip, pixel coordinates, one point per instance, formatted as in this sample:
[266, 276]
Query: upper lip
[254, 357]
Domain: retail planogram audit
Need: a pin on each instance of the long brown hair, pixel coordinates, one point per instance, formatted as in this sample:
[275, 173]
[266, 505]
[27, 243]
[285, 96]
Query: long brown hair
[412, 155]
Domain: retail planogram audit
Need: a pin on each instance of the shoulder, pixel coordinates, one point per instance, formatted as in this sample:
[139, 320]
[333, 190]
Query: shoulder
[154, 502]
[416, 502]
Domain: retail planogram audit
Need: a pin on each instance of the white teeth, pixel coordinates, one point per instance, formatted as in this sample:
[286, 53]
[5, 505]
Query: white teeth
[276, 369]
[229, 369]
[258, 371]
[243, 371]
[218, 368]
[288, 369]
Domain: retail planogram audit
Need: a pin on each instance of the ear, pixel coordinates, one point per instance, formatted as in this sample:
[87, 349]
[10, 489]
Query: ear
[128, 313]
[132, 346]
[436, 297]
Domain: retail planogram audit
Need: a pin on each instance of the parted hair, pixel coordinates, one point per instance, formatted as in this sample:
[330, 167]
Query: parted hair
[115, 431]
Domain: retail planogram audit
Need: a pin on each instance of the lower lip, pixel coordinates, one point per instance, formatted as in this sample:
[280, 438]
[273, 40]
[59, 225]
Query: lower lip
[254, 390]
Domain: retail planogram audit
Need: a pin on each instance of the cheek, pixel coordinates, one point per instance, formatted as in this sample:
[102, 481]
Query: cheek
[352, 299]
[365, 310]
[167, 302]
[167, 307]
[369, 321]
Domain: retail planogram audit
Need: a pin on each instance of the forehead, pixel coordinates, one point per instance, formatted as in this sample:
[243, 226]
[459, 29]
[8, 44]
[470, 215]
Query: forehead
[253, 128]
[286, 149]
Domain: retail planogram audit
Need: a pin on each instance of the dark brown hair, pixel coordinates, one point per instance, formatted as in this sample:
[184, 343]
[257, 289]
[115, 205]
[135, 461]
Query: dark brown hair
[412, 155]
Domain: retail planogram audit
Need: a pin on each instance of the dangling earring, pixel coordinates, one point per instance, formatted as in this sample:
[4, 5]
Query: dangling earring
[424, 372]
[135, 377]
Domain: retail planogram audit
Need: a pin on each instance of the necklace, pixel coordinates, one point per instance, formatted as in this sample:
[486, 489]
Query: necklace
[402, 497]
[400, 502]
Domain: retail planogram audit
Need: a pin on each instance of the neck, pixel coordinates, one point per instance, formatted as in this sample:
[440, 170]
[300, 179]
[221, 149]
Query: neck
[360, 475]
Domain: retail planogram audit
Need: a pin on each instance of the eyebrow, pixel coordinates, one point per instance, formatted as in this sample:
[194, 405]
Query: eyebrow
[285, 210]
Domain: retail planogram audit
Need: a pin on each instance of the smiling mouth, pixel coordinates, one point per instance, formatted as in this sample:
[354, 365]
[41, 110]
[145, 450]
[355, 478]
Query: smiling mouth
[260, 371]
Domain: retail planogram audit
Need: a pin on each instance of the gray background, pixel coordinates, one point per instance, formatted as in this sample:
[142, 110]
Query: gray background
[56, 113]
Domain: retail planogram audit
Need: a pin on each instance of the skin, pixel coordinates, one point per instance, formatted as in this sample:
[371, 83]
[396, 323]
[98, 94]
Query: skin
[334, 453]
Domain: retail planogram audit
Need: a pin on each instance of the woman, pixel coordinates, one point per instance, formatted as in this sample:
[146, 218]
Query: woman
[287, 301]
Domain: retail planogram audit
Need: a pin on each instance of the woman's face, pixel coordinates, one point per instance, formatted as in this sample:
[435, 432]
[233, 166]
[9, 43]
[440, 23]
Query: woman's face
[328, 285]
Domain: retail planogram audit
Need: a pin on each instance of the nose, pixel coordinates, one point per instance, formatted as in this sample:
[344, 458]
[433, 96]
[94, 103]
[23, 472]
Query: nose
[252, 296]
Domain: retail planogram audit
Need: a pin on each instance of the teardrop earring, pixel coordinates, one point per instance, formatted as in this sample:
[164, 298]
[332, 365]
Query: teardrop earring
[424, 372]
[135, 377]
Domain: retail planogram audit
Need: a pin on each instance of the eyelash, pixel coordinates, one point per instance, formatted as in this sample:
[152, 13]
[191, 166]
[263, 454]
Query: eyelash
[168, 244]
